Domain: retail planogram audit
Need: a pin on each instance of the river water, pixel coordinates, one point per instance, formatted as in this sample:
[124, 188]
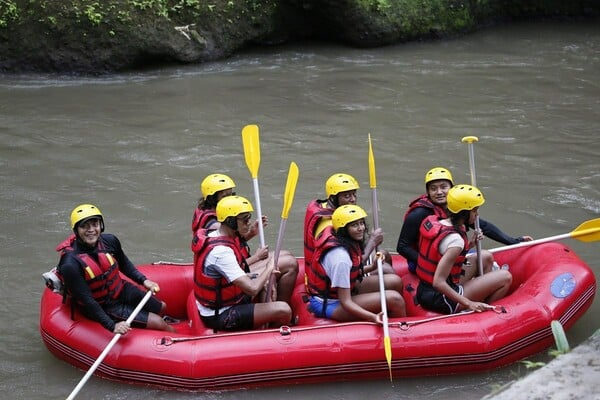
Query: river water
[138, 144]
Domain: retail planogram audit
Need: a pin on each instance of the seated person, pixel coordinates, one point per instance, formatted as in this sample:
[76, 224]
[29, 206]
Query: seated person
[225, 289]
[442, 250]
[336, 280]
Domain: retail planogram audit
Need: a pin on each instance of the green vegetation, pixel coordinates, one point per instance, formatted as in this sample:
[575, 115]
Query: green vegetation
[109, 12]
[8, 12]
[417, 17]
[110, 35]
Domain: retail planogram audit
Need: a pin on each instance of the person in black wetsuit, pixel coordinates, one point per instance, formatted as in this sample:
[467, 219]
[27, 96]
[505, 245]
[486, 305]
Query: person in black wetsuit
[90, 263]
[438, 182]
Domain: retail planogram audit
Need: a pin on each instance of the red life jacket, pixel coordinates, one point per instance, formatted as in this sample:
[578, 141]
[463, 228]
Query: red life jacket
[431, 234]
[202, 218]
[425, 202]
[215, 292]
[102, 276]
[318, 283]
[314, 212]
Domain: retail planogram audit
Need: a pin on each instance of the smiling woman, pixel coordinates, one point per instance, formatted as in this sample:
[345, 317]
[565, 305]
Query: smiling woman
[91, 265]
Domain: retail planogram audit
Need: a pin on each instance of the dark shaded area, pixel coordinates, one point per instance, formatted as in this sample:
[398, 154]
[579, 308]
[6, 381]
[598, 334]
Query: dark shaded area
[97, 37]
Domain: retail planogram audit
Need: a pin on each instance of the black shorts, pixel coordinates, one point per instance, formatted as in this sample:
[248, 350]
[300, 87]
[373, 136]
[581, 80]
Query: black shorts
[128, 300]
[236, 318]
[433, 300]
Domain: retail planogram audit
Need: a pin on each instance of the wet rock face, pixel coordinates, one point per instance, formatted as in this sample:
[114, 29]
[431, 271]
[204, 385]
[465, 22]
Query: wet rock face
[86, 37]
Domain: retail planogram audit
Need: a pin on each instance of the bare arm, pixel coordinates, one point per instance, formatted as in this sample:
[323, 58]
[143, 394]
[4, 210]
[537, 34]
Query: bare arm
[441, 274]
[252, 287]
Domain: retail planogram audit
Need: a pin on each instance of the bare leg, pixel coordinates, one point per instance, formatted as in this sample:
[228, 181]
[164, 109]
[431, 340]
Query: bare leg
[370, 284]
[276, 313]
[288, 266]
[156, 322]
[489, 287]
[471, 269]
[372, 302]
[286, 279]
[393, 293]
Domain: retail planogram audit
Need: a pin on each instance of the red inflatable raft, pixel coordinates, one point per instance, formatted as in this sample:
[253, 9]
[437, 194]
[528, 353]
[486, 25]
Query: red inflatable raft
[550, 282]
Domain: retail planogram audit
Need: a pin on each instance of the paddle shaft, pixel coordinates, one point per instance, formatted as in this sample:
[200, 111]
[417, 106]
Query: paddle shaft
[271, 282]
[380, 266]
[470, 141]
[386, 328]
[387, 345]
[588, 231]
[533, 242]
[109, 347]
[288, 197]
[261, 232]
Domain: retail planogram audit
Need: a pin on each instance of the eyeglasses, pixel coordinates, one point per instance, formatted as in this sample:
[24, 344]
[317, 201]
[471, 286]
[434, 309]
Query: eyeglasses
[246, 219]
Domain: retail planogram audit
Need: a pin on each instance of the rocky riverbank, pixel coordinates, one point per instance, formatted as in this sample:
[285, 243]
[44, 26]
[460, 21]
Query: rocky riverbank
[572, 376]
[96, 37]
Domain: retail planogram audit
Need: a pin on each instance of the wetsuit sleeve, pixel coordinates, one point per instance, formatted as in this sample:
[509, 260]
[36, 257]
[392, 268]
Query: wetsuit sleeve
[113, 244]
[408, 241]
[493, 232]
[81, 293]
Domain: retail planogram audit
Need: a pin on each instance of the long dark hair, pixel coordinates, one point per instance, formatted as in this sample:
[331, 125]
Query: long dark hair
[208, 203]
[460, 218]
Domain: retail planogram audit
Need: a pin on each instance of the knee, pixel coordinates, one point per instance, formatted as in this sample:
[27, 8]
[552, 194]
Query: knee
[283, 311]
[387, 257]
[288, 264]
[506, 277]
[397, 305]
[487, 257]
[393, 282]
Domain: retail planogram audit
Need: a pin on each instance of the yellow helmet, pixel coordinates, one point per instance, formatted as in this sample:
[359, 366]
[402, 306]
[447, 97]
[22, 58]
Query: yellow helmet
[340, 183]
[345, 214]
[232, 206]
[438, 173]
[215, 183]
[83, 212]
[464, 197]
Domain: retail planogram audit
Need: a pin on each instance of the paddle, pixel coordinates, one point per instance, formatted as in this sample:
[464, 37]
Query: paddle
[288, 198]
[470, 140]
[386, 330]
[251, 145]
[588, 231]
[109, 347]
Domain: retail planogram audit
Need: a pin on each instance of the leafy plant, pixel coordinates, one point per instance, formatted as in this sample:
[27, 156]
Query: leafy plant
[8, 12]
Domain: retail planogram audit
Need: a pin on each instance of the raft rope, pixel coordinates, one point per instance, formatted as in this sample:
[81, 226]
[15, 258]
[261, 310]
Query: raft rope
[405, 325]
[168, 340]
[171, 263]
[287, 330]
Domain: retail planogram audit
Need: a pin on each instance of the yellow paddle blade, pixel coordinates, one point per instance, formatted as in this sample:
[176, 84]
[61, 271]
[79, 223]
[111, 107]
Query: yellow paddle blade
[290, 189]
[589, 231]
[470, 139]
[251, 145]
[372, 175]
[388, 353]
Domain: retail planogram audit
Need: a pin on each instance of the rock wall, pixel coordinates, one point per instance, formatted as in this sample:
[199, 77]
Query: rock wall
[104, 36]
